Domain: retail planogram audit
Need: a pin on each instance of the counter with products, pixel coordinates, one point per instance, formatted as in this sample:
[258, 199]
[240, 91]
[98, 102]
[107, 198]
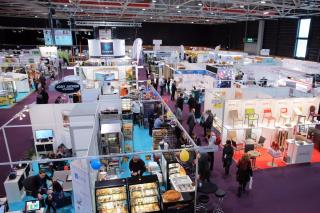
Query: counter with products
[144, 194]
[111, 196]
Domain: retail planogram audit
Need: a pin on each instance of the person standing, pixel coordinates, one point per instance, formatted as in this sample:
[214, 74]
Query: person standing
[173, 90]
[203, 167]
[178, 114]
[162, 84]
[45, 95]
[180, 102]
[244, 173]
[137, 166]
[192, 103]
[227, 155]
[168, 85]
[156, 83]
[191, 121]
[211, 140]
[136, 112]
[39, 98]
[208, 122]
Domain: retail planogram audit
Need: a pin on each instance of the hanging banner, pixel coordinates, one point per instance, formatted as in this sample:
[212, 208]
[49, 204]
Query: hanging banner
[67, 87]
[81, 188]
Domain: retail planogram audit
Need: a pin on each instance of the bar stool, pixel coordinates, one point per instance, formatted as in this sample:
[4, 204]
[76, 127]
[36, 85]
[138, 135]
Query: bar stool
[220, 194]
[202, 204]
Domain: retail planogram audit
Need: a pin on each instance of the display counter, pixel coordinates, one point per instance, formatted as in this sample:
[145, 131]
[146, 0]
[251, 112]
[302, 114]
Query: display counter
[299, 151]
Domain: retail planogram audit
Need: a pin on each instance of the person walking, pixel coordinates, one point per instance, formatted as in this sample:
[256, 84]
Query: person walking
[244, 173]
[191, 121]
[180, 102]
[168, 85]
[136, 109]
[227, 155]
[173, 90]
[162, 84]
[208, 122]
[192, 103]
[178, 114]
[211, 140]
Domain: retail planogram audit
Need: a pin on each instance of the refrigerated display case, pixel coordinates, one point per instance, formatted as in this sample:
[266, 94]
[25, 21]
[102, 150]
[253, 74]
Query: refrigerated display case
[144, 194]
[111, 196]
[170, 168]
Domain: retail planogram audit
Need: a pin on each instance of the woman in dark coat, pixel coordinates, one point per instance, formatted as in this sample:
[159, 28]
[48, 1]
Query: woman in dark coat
[227, 155]
[244, 173]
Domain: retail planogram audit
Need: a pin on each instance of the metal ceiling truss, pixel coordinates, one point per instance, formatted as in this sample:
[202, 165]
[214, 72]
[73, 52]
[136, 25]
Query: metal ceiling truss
[168, 11]
[106, 24]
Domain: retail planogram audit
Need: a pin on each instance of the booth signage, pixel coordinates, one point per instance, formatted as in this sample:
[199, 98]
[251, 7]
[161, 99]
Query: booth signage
[67, 87]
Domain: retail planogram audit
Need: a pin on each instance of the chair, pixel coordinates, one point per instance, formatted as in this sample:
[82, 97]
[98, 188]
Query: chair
[251, 116]
[220, 194]
[312, 113]
[234, 115]
[284, 115]
[267, 114]
[297, 113]
[261, 141]
[236, 145]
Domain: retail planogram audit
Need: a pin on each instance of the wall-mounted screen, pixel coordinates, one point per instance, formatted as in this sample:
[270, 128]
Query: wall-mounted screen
[106, 48]
[44, 134]
[63, 37]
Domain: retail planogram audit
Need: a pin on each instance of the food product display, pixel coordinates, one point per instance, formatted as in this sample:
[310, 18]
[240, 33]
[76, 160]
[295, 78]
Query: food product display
[182, 184]
[113, 199]
[171, 196]
[126, 105]
[144, 197]
[146, 208]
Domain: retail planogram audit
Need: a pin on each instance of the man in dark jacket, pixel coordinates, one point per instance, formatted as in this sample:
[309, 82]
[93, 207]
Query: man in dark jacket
[191, 121]
[227, 155]
[173, 90]
[208, 123]
[180, 102]
[34, 184]
[45, 96]
[137, 166]
[192, 103]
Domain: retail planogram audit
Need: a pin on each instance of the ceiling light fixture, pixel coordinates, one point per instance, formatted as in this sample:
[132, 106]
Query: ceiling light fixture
[36, 16]
[106, 7]
[177, 6]
[179, 11]
[143, 9]
[241, 6]
[144, 20]
[200, 4]
[263, 2]
[192, 22]
[266, 13]
[154, 1]
[151, 17]
[66, 5]
[207, 20]
[211, 13]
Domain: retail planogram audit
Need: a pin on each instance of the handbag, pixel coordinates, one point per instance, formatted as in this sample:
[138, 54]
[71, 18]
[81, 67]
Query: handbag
[250, 183]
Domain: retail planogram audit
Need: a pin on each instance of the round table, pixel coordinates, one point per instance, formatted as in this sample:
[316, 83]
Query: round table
[253, 155]
[207, 188]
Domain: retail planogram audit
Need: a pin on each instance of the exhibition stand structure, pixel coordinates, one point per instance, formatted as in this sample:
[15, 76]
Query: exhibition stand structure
[94, 181]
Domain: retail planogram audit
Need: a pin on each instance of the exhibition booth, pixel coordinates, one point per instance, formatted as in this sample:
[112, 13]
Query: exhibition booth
[267, 123]
[101, 141]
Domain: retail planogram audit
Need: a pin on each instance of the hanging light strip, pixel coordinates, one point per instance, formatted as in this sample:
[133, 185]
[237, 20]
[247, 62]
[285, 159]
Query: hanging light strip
[106, 24]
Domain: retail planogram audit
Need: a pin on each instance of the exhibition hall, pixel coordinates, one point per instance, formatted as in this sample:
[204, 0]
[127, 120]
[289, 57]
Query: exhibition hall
[164, 106]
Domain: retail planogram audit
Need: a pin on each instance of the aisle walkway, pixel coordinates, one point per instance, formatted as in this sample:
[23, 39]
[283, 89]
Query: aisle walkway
[291, 189]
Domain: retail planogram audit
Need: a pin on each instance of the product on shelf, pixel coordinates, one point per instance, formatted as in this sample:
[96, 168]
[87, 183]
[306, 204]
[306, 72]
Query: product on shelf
[171, 196]
[144, 194]
[111, 196]
[182, 184]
